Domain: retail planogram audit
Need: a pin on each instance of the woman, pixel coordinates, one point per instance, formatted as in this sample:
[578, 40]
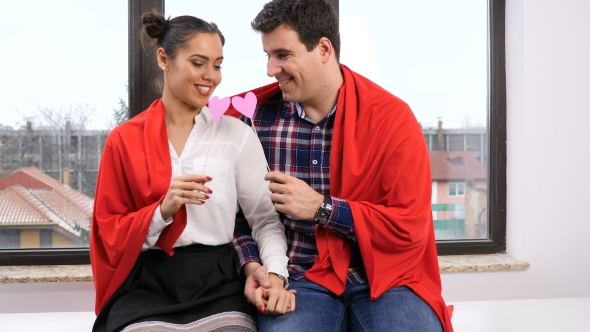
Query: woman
[167, 194]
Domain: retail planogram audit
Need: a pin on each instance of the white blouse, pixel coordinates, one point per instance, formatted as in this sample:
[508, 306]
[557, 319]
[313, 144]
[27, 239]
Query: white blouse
[237, 165]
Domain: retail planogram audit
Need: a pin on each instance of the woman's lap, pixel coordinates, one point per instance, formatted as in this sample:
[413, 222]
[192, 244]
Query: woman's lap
[195, 283]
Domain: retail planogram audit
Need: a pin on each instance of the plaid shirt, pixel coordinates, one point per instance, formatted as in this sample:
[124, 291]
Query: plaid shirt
[295, 145]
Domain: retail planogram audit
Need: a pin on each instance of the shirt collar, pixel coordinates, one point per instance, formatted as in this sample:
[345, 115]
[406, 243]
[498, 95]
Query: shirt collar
[205, 115]
[291, 108]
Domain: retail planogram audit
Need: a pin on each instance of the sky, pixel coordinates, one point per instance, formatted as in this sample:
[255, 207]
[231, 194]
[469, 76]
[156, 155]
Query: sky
[430, 53]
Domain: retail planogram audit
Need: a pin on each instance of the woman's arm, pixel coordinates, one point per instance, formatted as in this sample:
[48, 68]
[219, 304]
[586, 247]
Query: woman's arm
[267, 229]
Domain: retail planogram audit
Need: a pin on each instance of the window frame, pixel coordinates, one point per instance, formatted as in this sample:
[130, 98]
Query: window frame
[496, 140]
[141, 94]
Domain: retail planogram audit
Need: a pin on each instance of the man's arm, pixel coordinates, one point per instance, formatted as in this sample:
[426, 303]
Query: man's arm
[243, 244]
[298, 200]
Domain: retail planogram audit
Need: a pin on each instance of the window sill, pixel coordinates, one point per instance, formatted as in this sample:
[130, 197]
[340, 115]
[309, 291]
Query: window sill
[495, 262]
[45, 273]
[83, 273]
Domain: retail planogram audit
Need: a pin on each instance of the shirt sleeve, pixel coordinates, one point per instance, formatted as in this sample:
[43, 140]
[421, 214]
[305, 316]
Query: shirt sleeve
[156, 227]
[340, 220]
[243, 244]
[254, 199]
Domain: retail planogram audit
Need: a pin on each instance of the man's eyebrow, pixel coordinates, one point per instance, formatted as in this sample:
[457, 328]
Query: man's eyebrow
[280, 50]
[204, 56]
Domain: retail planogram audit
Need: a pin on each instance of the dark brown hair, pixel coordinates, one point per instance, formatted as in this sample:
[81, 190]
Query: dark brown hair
[172, 34]
[312, 19]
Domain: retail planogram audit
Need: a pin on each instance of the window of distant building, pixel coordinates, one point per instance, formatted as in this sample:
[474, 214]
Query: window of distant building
[457, 189]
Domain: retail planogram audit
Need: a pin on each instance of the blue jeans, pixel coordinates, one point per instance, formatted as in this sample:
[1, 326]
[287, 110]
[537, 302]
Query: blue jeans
[398, 309]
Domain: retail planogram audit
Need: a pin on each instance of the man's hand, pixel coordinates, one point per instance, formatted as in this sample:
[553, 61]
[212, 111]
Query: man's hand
[293, 197]
[261, 291]
[277, 300]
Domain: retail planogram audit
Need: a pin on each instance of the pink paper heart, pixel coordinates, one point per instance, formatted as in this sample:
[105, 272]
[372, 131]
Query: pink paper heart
[245, 105]
[218, 106]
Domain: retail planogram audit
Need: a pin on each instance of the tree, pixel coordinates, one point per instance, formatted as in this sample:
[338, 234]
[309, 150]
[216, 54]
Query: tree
[121, 112]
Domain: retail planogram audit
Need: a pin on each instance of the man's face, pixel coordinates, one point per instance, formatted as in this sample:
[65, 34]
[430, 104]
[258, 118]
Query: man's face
[295, 68]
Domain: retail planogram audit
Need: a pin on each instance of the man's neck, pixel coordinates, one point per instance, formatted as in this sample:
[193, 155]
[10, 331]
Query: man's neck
[319, 107]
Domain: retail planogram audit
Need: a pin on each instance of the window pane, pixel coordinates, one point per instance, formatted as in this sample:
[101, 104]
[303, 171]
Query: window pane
[64, 74]
[433, 55]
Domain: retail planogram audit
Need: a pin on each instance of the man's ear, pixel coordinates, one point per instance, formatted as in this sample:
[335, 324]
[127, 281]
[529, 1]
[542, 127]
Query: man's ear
[326, 49]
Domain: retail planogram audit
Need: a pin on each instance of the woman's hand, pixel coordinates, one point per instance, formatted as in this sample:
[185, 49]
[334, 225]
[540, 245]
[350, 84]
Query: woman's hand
[186, 189]
[277, 300]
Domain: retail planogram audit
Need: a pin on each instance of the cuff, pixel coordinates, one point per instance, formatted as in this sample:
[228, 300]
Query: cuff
[158, 223]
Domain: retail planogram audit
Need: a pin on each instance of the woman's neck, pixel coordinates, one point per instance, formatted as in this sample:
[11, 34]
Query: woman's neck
[177, 113]
[180, 120]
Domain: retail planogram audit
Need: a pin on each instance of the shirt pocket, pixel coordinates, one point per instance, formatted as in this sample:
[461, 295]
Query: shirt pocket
[218, 170]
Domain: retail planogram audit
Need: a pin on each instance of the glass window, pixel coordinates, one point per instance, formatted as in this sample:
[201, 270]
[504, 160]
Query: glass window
[64, 74]
[434, 56]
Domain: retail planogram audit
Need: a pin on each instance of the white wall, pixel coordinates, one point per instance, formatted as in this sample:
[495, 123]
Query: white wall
[548, 78]
[548, 86]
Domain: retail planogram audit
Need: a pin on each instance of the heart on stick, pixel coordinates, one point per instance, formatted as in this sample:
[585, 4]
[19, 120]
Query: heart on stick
[245, 105]
[218, 107]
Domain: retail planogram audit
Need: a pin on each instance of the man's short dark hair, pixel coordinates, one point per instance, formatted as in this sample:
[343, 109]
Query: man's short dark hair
[312, 19]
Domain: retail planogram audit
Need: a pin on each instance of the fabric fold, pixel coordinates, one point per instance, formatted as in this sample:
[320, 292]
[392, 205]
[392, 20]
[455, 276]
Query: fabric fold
[133, 178]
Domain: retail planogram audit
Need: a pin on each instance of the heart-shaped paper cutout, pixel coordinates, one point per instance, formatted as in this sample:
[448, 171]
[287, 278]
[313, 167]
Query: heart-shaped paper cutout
[218, 106]
[245, 105]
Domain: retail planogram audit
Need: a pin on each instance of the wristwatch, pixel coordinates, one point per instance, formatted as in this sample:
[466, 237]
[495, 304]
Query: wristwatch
[324, 212]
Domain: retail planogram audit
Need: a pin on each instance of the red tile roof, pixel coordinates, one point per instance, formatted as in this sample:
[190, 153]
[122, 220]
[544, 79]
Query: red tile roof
[455, 165]
[53, 203]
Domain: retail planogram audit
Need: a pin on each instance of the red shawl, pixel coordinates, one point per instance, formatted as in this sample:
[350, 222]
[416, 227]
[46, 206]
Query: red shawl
[134, 176]
[380, 164]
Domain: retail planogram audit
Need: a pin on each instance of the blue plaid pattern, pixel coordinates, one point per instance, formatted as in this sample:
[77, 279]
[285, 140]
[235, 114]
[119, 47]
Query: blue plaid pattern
[295, 145]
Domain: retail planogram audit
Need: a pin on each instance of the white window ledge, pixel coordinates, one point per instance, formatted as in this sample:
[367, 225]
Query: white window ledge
[464, 263]
[45, 273]
[83, 273]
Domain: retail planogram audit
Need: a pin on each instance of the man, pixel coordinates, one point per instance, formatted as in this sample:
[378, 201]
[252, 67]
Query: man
[350, 174]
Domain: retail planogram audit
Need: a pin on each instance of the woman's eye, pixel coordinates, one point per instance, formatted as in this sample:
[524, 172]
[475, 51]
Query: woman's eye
[218, 67]
[197, 64]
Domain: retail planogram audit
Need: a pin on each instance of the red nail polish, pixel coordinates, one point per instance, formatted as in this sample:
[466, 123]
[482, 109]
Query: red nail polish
[210, 191]
[209, 178]
[261, 309]
[206, 196]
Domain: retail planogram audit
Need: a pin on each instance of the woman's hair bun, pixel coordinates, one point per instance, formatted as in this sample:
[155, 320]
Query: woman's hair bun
[154, 24]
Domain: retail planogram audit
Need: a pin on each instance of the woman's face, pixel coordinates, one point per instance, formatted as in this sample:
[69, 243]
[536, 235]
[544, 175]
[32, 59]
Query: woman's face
[193, 75]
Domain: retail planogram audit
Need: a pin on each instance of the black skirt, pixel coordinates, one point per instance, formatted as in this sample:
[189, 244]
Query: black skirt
[198, 281]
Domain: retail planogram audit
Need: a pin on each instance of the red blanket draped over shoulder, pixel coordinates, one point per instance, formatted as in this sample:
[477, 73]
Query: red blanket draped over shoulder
[380, 164]
[134, 176]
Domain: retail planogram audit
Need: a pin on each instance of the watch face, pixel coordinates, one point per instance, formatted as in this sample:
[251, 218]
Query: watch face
[325, 212]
